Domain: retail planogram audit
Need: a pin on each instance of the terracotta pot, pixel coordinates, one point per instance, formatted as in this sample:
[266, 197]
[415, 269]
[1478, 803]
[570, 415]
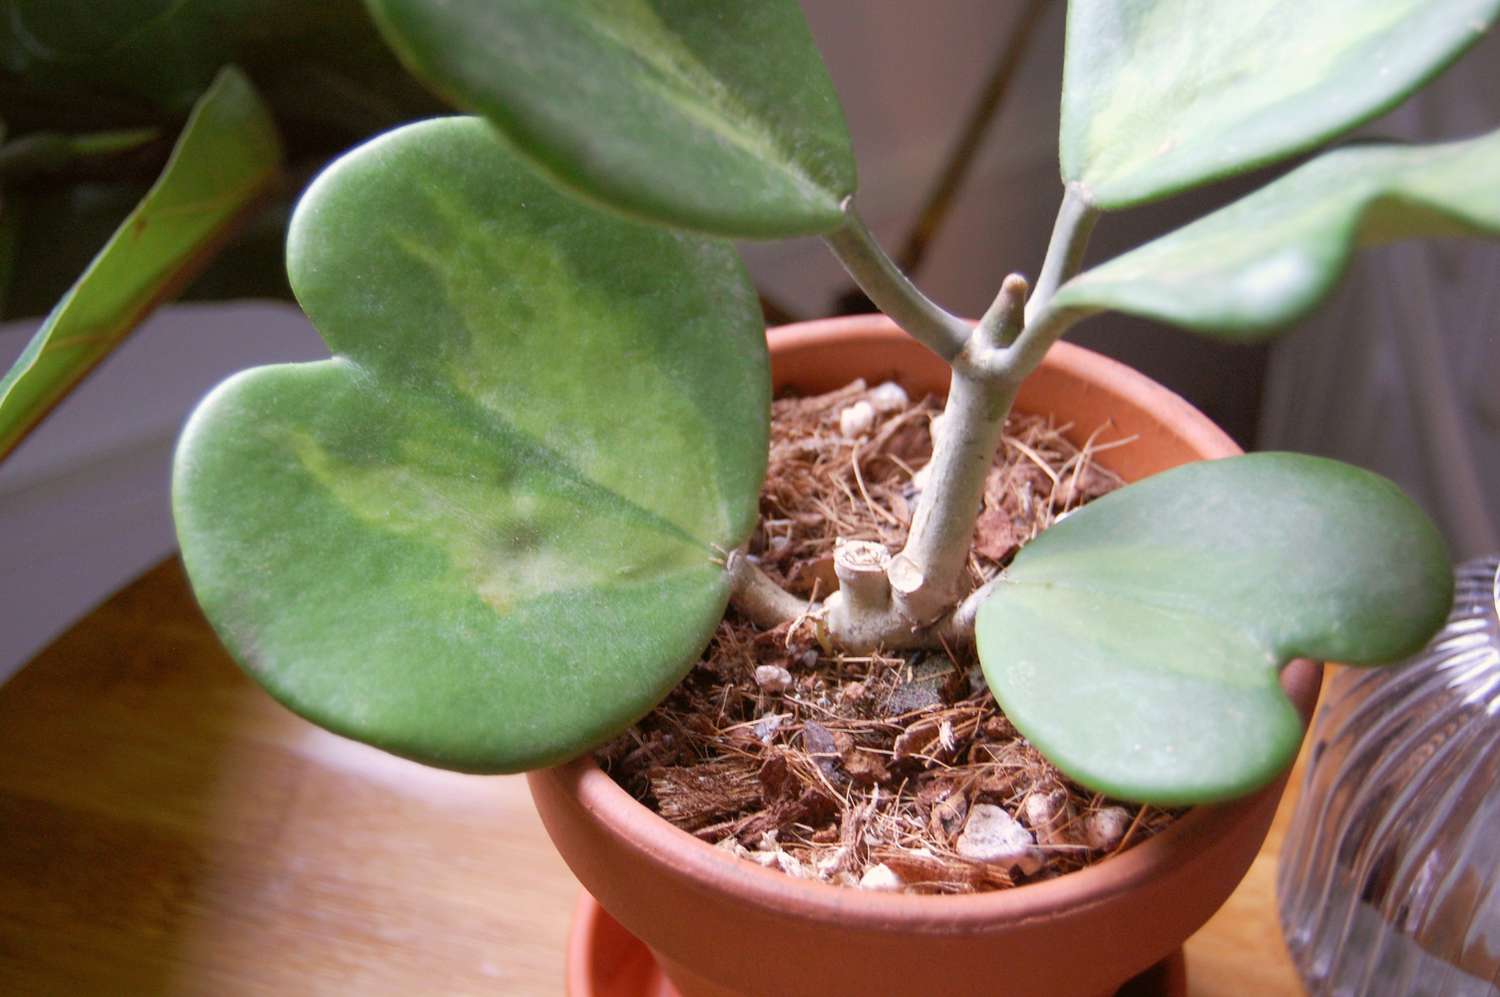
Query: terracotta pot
[721, 925]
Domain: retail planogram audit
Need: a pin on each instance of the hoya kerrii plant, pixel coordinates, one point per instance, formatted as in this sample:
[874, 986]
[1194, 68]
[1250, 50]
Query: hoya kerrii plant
[505, 517]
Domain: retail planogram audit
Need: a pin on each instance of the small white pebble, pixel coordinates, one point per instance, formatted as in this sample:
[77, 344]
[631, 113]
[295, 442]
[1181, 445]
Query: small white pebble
[832, 863]
[882, 878]
[888, 397]
[733, 847]
[1103, 829]
[778, 859]
[766, 727]
[773, 678]
[1044, 812]
[857, 420]
[791, 866]
[994, 836]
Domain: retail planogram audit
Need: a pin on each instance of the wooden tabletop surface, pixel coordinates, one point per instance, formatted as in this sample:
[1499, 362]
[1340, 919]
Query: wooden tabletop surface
[165, 828]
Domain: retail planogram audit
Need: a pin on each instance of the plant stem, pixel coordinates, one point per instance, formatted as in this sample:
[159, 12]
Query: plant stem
[756, 596]
[925, 575]
[1016, 362]
[987, 373]
[989, 364]
[891, 292]
[1070, 237]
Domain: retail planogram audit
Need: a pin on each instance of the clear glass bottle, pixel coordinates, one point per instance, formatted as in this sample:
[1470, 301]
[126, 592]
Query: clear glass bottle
[1389, 878]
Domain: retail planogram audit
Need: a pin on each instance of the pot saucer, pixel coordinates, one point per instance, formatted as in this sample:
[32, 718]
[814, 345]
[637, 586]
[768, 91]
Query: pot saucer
[605, 960]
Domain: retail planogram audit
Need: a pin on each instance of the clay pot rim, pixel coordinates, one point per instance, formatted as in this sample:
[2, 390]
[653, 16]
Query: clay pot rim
[658, 841]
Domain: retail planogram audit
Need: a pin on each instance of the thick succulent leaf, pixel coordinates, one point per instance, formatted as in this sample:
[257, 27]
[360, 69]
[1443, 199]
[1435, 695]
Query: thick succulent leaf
[714, 115]
[484, 534]
[1138, 642]
[226, 159]
[1160, 95]
[1248, 269]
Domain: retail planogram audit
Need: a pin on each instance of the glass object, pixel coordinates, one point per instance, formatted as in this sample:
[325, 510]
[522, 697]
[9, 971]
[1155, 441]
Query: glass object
[1389, 878]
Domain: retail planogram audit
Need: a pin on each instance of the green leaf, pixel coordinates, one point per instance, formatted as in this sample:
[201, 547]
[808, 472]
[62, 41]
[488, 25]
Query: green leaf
[714, 115]
[40, 152]
[1251, 268]
[484, 535]
[1161, 95]
[226, 159]
[1137, 643]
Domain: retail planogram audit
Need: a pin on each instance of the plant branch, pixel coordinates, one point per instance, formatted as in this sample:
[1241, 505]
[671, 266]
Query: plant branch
[1016, 362]
[925, 576]
[1001, 322]
[757, 597]
[894, 632]
[889, 289]
[989, 364]
[959, 624]
[1070, 237]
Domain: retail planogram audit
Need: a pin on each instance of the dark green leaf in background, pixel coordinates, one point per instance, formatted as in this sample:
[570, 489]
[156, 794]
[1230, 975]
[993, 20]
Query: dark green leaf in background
[483, 535]
[1161, 95]
[9, 236]
[1137, 643]
[76, 64]
[43, 151]
[226, 159]
[714, 115]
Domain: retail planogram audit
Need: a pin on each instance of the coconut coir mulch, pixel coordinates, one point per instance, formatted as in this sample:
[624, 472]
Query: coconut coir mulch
[886, 771]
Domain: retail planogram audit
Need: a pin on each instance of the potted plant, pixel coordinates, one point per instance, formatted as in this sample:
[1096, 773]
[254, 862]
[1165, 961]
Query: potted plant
[503, 521]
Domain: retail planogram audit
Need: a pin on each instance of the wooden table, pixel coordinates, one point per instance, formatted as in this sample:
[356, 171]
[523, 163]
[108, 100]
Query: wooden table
[165, 828]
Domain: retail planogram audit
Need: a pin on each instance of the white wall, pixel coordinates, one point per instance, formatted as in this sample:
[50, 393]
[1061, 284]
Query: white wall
[84, 500]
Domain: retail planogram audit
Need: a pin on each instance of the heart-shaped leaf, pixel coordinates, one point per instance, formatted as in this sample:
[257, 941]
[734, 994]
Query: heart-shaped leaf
[1161, 95]
[714, 115]
[225, 161]
[1138, 642]
[483, 534]
[1249, 269]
